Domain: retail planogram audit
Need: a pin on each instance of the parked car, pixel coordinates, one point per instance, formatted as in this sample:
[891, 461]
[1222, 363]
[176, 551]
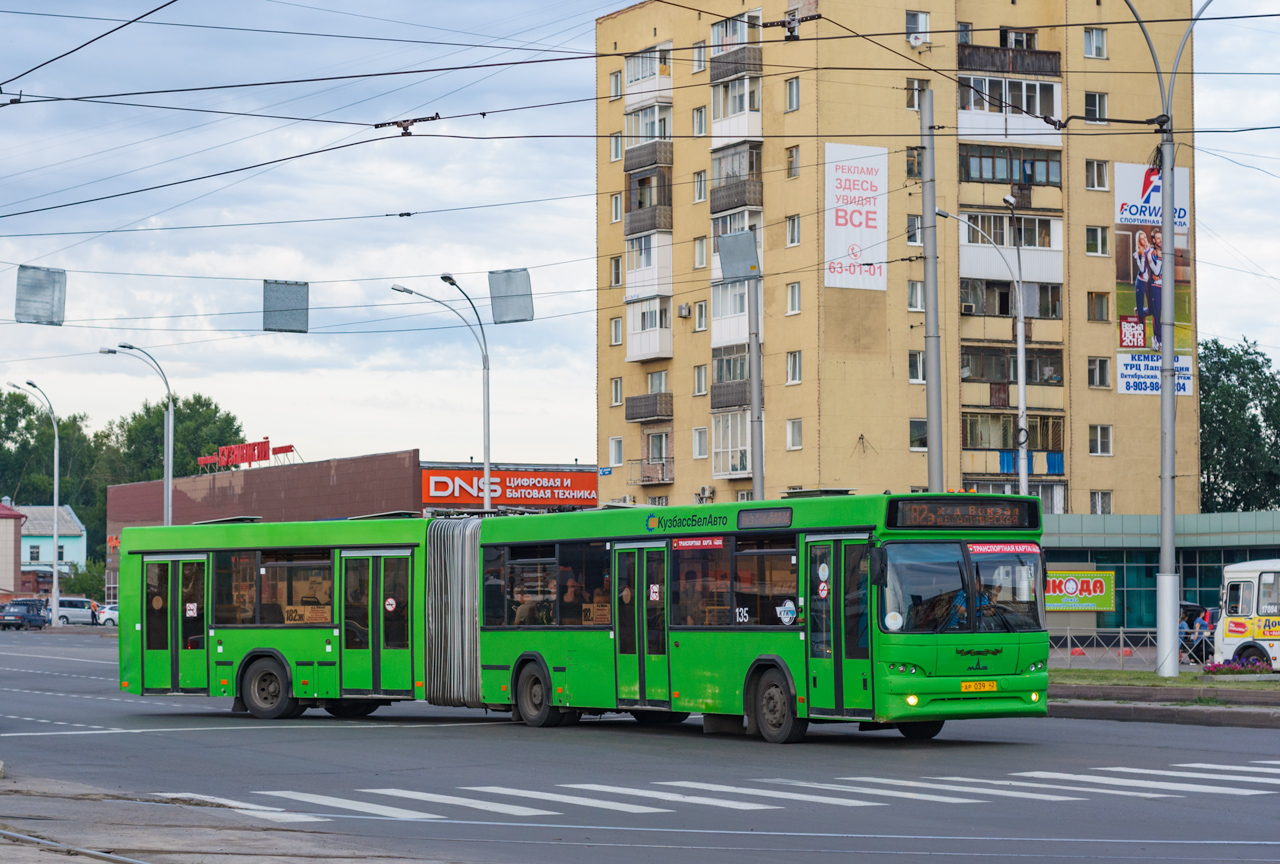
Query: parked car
[109, 614]
[21, 616]
[37, 605]
[74, 610]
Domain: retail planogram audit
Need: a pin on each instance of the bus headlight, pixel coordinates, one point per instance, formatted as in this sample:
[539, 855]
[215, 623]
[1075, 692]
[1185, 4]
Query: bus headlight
[1035, 697]
[912, 700]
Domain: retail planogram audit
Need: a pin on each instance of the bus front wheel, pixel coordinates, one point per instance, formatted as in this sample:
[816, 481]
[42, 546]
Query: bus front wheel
[535, 698]
[774, 712]
[266, 691]
[921, 731]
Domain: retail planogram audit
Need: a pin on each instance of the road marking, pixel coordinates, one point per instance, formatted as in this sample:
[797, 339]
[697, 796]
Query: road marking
[772, 793]
[1230, 767]
[888, 793]
[348, 804]
[244, 808]
[473, 803]
[1036, 796]
[1146, 784]
[1198, 775]
[1124, 792]
[111, 699]
[672, 796]
[58, 674]
[72, 659]
[1266, 761]
[566, 799]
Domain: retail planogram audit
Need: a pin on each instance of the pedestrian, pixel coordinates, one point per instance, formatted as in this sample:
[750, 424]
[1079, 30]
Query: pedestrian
[93, 611]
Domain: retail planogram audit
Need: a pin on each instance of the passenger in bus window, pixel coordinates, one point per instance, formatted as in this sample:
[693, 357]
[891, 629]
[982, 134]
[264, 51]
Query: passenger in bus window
[571, 602]
[601, 594]
[525, 609]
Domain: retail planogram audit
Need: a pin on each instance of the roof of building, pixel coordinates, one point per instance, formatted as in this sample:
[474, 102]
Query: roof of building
[505, 466]
[1083, 531]
[40, 521]
[7, 512]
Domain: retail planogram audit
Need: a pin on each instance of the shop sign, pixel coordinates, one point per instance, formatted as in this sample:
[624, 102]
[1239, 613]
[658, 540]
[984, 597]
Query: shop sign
[447, 487]
[1086, 591]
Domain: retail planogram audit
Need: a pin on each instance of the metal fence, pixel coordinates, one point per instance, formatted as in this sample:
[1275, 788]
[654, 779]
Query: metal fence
[1108, 648]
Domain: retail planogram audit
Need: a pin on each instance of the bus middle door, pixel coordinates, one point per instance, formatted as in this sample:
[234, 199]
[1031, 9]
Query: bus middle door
[175, 644]
[375, 623]
[640, 625]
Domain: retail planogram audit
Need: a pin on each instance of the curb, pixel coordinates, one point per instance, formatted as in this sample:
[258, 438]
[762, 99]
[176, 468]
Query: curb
[1186, 715]
[1, 770]
[1137, 693]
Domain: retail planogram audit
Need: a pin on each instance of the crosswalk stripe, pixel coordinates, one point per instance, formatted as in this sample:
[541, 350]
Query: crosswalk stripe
[1124, 792]
[357, 806]
[1198, 775]
[567, 799]
[244, 808]
[772, 793]
[1265, 761]
[1145, 784]
[1006, 793]
[1229, 767]
[887, 793]
[473, 803]
[671, 796]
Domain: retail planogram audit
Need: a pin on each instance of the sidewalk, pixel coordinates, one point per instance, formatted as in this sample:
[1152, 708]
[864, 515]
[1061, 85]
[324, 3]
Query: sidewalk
[1150, 712]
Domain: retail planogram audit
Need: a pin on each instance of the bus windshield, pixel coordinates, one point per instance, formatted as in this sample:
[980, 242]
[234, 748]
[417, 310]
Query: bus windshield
[924, 592]
[1006, 583]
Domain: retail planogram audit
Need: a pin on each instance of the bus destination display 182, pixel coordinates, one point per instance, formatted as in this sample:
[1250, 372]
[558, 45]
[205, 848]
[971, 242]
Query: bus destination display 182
[963, 513]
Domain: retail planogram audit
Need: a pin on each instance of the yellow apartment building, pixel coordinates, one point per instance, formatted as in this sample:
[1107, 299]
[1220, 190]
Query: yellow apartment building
[714, 121]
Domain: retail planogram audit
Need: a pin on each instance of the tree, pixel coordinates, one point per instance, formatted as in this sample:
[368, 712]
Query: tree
[1239, 429]
[199, 428]
[90, 580]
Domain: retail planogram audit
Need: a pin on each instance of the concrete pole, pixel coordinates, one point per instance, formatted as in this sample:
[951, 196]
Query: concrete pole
[168, 462]
[757, 390]
[1167, 576]
[55, 591]
[488, 504]
[932, 339]
[1024, 467]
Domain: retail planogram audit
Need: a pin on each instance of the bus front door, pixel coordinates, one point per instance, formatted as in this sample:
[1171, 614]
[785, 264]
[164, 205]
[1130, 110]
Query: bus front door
[640, 626]
[375, 624]
[839, 636]
[175, 646]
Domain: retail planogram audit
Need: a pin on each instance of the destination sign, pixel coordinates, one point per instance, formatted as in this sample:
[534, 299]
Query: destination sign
[962, 513]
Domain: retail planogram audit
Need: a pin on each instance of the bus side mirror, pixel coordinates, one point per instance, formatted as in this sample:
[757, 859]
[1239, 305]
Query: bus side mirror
[876, 566]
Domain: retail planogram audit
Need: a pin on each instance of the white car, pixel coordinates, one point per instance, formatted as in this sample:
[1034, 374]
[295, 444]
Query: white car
[73, 610]
[109, 614]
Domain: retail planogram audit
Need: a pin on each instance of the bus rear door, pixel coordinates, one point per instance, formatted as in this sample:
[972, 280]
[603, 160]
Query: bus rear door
[640, 625]
[175, 656]
[375, 623]
[839, 635]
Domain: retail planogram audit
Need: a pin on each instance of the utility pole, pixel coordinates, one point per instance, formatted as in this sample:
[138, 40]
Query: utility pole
[757, 388]
[1015, 231]
[932, 340]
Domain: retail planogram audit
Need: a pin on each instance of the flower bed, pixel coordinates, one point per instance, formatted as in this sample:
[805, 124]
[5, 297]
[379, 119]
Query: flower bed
[1238, 667]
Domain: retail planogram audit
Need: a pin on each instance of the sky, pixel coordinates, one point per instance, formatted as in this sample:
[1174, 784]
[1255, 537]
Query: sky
[382, 371]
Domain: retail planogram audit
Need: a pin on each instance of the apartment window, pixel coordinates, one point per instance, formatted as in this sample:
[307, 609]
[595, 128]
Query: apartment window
[1029, 166]
[795, 434]
[640, 252]
[1095, 107]
[615, 451]
[658, 500]
[913, 231]
[1044, 433]
[793, 94]
[730, 364]
[913, 163]
[728, 298]
[735, 97]
[615, 207]
[615, 146]
[615, 271]
[732, 32]
[700, 380]
[699, 56]
[1000, 432]
[1095, 174]
[915, 296]
[615, 388]
[699, 186]
[1100, 502]
[997, 365]
[1099, 303]
[615, 85]
[730, 444]
[1000, 96]
[793, 162]
[1099, 371]
[700, 442]
[731, 223]
[33, 553]
[918, 434]
[1030, 231]
[648, 64]
[793, 298]
[1099, 440]
[699, 253]
[649, 124]
[1095, 45]
[652, 314]
[700, 315]
[1095, 240]
[793, 230]
[986, 228]
[793, 367]
[615, 331]
[914, 86]
[918, 22]
[700, 120]
[658, 381]
[964, 33]
[1023, 40]
[915, 367]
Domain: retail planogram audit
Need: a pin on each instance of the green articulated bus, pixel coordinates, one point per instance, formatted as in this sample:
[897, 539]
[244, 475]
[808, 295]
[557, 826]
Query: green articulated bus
[890, 611]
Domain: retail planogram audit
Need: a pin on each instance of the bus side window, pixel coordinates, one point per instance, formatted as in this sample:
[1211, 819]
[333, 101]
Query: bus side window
[1240, 599]
[582, 584]
[1269, 594]
[495, 605]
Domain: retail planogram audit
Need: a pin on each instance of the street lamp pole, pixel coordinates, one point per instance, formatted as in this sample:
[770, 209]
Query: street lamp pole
[168, 423]
[1167, 577]
[481, 341]
[57, 470]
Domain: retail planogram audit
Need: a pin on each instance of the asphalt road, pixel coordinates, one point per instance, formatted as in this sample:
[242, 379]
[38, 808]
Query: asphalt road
[181, 779]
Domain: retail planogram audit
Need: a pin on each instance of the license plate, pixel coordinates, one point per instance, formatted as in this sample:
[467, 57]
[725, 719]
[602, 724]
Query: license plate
[977, 686]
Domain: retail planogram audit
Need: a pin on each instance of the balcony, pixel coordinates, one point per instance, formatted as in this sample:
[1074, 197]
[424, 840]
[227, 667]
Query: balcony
[1006, 61]
[646, 219]
[656, 152]
[743, 60]
[650, 472]
[649, 407]
[740, 193]
[731, 394]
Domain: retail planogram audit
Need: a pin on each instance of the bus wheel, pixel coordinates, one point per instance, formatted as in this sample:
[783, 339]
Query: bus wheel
[1253, 654]
[778, 721]
[265, 691]
[534, 696]
[921, 731]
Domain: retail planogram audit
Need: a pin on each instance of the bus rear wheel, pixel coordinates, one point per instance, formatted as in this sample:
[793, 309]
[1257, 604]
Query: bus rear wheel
[266, 691]
[921, 731]
[774, 712]
[535, 699]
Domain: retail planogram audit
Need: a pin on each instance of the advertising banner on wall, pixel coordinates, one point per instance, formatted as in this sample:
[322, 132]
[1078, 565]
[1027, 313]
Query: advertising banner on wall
[1087, 591]
[856, 223]
[1137, 246]
[451, 487]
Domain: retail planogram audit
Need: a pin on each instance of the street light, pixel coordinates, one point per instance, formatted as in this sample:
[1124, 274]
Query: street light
[168, 422]
[1022, 350]
[57, 469]
[481, 341]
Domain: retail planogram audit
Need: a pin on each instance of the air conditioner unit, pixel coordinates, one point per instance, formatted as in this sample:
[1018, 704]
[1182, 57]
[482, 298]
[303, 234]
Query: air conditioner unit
[967, 309]
[916, 40]
[707, 493]
[684, 310]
